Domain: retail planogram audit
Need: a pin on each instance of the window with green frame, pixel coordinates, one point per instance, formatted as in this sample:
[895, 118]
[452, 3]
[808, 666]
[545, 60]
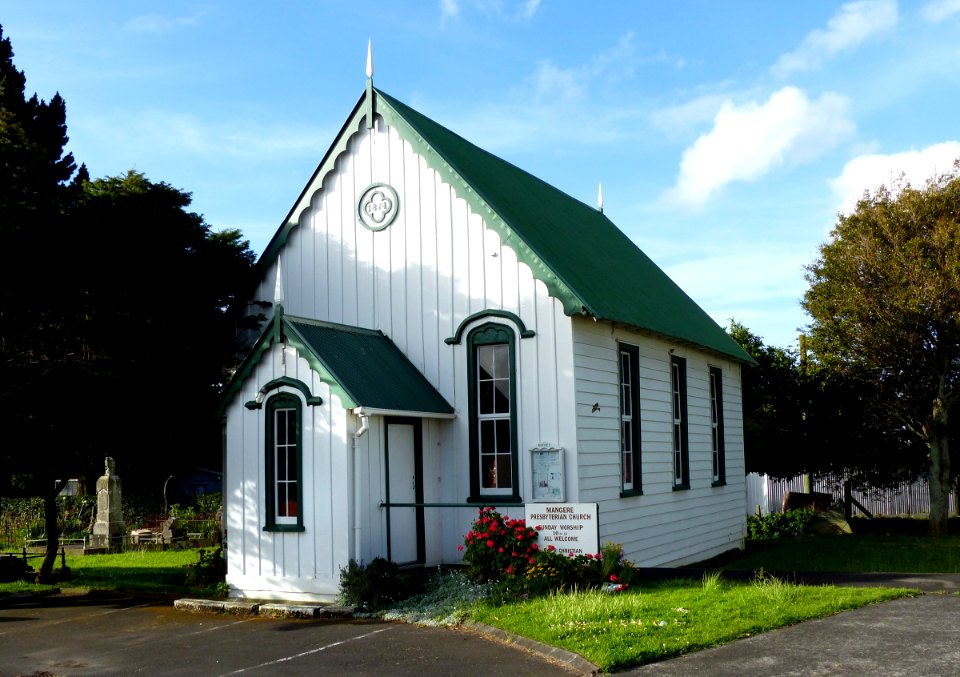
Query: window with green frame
[629, 420]
[494, 462]
[716, 426]
[284, 463]
[681, 446]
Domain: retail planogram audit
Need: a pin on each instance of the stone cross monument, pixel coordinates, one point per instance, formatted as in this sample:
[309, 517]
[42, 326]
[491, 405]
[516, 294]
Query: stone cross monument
[109, 524]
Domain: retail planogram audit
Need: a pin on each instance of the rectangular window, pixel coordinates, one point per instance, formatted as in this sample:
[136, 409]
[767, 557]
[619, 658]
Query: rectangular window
[493, 417]
[681, 449]
[493, 414]
[284, 490]
[629, 421]
[285, 465]
[716, 425]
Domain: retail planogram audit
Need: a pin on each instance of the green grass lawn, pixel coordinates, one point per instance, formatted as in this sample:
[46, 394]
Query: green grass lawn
[852, 553]
[662, 620]
[138, 570]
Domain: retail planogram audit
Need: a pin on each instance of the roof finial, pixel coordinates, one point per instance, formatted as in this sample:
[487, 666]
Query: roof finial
[600, 197]
[370, 104]
[278, 288]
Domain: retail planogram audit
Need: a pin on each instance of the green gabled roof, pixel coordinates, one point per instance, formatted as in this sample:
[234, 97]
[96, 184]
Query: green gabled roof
[367, 366]
[597, 265]
[362, 366]
[585, 261]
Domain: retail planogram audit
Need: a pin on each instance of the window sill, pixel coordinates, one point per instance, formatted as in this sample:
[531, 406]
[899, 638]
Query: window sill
[627, 493]
[284, 527]
[681, 487]
[719, 483]
[502, 499]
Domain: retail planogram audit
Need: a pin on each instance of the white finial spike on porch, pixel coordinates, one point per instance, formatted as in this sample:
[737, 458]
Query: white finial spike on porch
[369, 59]
[278, 289]
[600, 196]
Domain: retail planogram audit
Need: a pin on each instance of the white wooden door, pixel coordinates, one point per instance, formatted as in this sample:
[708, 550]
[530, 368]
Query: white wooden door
[404, 461]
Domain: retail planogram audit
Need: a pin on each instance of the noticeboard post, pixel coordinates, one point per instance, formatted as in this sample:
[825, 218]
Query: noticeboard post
[546, 463]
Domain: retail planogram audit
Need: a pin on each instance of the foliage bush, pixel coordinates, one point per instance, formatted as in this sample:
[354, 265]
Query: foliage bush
[371, 587]
[788, 524]
[210, 569]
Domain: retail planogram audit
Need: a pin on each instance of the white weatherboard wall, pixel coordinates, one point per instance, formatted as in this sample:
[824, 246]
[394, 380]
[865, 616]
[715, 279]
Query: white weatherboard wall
[287, 565]
[662, 526]
[416, 281]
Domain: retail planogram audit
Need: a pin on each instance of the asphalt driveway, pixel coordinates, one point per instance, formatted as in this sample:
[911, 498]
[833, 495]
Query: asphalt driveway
[120, 635]
[103, 635]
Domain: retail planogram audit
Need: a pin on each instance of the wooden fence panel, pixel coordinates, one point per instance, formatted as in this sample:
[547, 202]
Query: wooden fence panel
[907, 498]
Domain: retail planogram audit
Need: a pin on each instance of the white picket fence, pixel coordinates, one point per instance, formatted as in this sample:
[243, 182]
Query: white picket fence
[907, 498]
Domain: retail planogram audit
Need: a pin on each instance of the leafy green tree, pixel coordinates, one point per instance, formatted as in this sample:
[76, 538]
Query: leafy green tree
[117, 321]
[884, 299]
[35, 344]
[773, 408]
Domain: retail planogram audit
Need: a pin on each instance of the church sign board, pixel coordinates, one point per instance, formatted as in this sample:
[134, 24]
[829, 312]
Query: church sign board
[571, 528]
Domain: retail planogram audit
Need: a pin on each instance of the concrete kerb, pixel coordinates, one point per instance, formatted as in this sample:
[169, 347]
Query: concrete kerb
[258, 608]
[572, 660]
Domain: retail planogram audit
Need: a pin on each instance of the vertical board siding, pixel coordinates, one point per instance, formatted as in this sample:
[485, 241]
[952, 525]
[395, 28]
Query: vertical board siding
[416, 281]
[662, 526]
[286, 564]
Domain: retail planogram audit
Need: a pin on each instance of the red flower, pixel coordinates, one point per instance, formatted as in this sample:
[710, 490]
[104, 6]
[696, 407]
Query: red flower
[613, 578]
[490, 544]
[531, 560]
[460, 548]
[589, 556]
[550, 548]
[534, 547]
[499, 549]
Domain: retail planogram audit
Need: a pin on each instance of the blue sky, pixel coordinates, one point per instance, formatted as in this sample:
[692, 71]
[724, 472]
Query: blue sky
[727, 135]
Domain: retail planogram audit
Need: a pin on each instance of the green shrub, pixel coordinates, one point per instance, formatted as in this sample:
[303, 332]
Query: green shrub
[788, 524]
[210, 569]
[371, 587]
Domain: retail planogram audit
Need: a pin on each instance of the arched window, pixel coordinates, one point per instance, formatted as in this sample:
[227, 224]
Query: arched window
[494, 466]
[283, 463]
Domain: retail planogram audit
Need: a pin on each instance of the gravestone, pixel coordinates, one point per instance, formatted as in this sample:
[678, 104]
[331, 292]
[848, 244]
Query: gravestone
[109, 527]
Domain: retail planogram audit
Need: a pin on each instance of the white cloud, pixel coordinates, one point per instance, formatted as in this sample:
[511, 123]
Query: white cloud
[163, 133]
[760, 287]
[552, 83]
[157, 23]
[510, 10]
[940, 10]
[869, 172]
[852, 25]
[750, 140]
[688, 116]
[449, 9]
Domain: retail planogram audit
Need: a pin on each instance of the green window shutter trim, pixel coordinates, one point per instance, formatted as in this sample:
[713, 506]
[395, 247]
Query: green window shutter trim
[505, 314]
[312, 400]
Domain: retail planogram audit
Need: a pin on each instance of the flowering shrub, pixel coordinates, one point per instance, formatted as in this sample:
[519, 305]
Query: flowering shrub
[498, 547]
[506, 550]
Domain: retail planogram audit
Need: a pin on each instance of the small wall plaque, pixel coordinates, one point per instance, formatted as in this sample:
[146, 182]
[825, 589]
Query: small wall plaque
[378, 206]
